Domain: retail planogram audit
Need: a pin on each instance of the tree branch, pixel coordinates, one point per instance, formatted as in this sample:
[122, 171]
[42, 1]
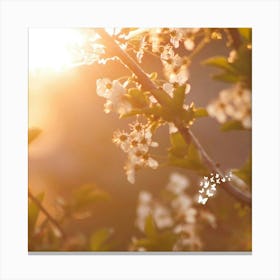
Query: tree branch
[188, 136]
[235, 37]
[47, 214]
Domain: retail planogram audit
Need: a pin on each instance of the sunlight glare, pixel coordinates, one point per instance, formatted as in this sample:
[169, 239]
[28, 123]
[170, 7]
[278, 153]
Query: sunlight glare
[53, 49]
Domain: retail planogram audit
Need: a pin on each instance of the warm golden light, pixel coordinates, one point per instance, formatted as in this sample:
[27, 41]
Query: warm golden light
[54, 49]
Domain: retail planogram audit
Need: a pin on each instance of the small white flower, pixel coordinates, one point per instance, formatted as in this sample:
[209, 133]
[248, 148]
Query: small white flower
[177, 183]
[130, 173]
[234, 103]
[154, 38]
[121, 139]
[190, 216]
[162, 217]
[232, 56]
[150, 162]
[145, 197]
[172, 128]
[209, 217]
[189, 44]
[181, 203]
[114, 92]
[103, 87]
[179, 76]
[167, 87]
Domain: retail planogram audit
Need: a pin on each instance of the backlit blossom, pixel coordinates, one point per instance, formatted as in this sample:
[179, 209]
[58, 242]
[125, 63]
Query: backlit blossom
[114, 93]
[162, 216]
[177, 214]
[154, 38]
[176, 34]
[175, 67]
[177, 183]
[136, 144]
[189, 44]
[233, 103]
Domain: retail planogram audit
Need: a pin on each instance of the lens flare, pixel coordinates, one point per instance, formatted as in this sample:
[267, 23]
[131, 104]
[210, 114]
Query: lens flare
[53, 49]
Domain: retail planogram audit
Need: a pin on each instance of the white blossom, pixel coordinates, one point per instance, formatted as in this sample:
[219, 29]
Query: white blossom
[177, 183]
[233, 103]
[136, 144]
[114, 93]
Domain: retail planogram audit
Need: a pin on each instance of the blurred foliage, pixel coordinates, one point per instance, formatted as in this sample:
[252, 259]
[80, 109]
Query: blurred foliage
[239, 69]
[245, 172]
[155, 240]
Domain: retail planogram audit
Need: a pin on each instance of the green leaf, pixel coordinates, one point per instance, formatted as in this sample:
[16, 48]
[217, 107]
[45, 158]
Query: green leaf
[163, 241]
[220, 62]
[179, 97]
[132, 113]
[227, 77]
[179, 147]
[137, 98]
[87, 195]
[182, 155]
[33, 133]
[177, 140]
[150, 227]
[33, 212]
[153, 76]
[246, 33]
[243, 64]
[193, 154]
[245, 173]
[232, 125]
[200, 112]
[99, 240]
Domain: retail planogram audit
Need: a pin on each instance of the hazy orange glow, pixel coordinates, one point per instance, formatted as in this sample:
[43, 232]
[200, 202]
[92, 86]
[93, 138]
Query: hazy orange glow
[53, 49]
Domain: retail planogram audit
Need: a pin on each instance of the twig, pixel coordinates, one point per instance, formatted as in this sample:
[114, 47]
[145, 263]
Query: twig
[47, 214]
[235, 37]
[185, 132]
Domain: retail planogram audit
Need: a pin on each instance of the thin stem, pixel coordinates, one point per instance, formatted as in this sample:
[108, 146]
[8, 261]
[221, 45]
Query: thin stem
[185, 132]
[236, 192]
[235, 37]
[199, 47]
[47, 214]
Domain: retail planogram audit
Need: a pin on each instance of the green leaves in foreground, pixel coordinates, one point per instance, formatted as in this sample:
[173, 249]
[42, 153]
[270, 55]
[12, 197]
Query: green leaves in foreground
[87, 195]
[238, 66]
[245, 172]
[232, 125]
[100, 240]
[155, 240]
[182, 155]
[33, 212]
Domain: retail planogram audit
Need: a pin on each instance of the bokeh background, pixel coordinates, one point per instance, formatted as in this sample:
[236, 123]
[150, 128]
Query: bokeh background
[75, 148]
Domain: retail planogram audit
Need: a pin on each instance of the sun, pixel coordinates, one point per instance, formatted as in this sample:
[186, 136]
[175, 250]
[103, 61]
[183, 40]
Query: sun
[53, 49]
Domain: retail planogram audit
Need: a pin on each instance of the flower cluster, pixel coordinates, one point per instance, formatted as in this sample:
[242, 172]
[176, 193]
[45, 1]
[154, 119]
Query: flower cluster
[148, 206]
[175, 67]
[136, 144]
[185, 35]
[208, 186]
[235, 103]
[177, 214]
[114, 93]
